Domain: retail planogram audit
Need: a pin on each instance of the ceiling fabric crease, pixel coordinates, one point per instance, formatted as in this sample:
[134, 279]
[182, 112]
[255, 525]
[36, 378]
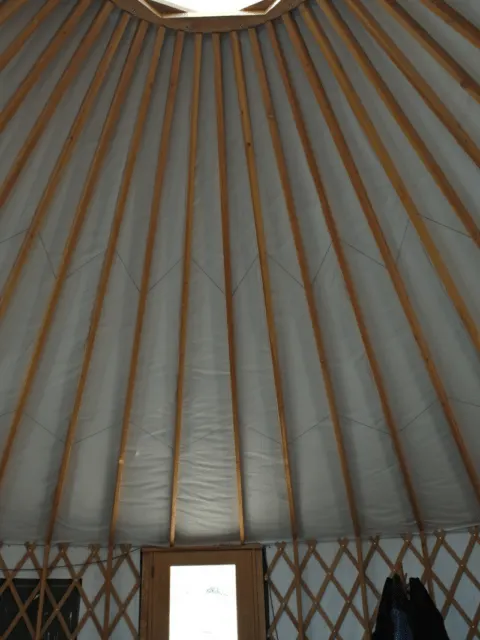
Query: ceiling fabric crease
[115, 270]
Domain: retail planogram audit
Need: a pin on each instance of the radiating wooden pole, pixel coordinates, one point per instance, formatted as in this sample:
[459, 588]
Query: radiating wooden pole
[428, 95]
[101, 292]
[393, 174]
[267, 295]
[187, 260]
[396, 111]
[72, 240]
[28, 30]
[60, 166]
[68, 76]
[390, 264]
[308, 286]
[8, 9]
[147, 265]
[42, 62]
[421, 35]
[455, 20]
[347, 276]
[227, 266]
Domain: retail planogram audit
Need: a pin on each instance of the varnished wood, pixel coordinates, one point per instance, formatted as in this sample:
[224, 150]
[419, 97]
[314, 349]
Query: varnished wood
[227, 268]
[347, 276]
[66, 79]
[9, 8]
[395, 109]
[42, 62]
[100, 296]
[147, 265]
[60, 167]
[32, 25]
[145, 10]
[72, 240]
[455, 20]
[307, 284]
[187, 264]
[428, 95]
[393, 174]
[266, 285]
[421, 35]
[380, 240]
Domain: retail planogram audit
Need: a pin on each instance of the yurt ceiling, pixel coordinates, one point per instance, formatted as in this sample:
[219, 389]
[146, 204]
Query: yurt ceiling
[240, 271]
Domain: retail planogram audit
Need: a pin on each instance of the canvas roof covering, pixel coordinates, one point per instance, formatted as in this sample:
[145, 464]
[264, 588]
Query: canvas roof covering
[39, 385]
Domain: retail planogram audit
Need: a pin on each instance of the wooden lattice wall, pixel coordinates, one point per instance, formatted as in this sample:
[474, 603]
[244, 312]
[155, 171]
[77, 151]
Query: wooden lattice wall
[89, 571]
[330, 581]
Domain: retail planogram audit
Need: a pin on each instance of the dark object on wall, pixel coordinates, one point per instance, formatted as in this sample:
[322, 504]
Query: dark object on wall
[9, 609]
[408, 614]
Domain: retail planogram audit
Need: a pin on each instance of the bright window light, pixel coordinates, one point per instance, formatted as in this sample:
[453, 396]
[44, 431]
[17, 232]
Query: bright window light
[203, 603]
[210, 7]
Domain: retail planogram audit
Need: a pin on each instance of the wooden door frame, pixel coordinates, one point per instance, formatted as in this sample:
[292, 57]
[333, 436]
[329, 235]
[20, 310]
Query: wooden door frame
[154, 600]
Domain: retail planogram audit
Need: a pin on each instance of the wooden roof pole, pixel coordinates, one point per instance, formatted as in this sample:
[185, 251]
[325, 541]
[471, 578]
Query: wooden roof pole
[32, 25]
[72, 240]
[187, 261]
[350, 287]
[455, 20]
[147, 266]
[8, 9]
[393, 174]
[382, 244]
[396, 111]
[421, 35]
[310, 297]
[102, 289]
[267, 295]
[227, 267]
[60, 166]
[42, 62]
[428, 95]
[70, 246]
[69, 74]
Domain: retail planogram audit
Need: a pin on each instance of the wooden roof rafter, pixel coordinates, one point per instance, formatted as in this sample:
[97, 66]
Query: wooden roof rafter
[351, 290]
[227, 267]
[455, 20]
[380, 240]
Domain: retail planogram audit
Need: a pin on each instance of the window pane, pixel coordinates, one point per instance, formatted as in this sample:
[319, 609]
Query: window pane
[203, 603]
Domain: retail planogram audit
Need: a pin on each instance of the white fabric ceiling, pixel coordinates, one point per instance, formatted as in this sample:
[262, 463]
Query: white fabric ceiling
[207, 500]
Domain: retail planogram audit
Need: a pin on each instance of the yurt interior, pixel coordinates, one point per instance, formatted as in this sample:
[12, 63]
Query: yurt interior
[239, 320]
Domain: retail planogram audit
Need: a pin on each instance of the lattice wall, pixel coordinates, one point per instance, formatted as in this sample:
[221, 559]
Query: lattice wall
[88, 568]
[331, 600]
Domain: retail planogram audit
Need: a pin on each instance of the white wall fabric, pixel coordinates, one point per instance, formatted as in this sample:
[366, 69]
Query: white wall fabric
[445, 568]
[207, 500]
[92, 582]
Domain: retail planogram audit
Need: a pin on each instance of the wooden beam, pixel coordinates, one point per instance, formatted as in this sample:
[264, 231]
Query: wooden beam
[396, 111]
[61, 166]
[428, 95]
[187, 260]
[8, 9]
[72, 240]
[42, 62]
[18, 42]
[390, 264]
[103, 282]
[267, 295]
[444, 59]
[147, 265]
[70, 73]
[393, 174]
[347, 276]
[455, 20]
[307, 284]
[227, 266]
